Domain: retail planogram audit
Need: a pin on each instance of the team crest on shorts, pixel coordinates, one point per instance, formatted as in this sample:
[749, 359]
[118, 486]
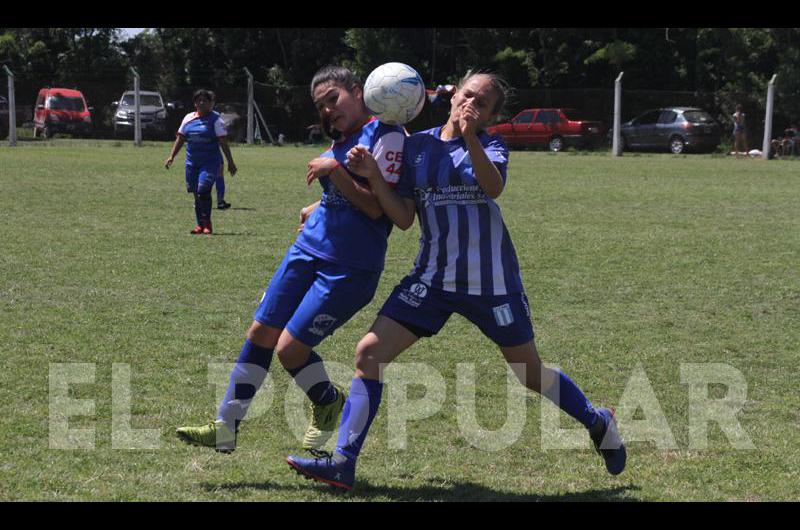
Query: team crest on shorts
[413, 295]
[503, 315]
[322, 324]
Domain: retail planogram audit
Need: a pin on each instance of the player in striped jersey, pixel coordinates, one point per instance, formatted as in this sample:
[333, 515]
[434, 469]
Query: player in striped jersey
[328, 274]
[466, 264]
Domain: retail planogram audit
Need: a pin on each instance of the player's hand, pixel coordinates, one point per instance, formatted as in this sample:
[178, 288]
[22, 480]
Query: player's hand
[320, 167]
[361, 162]
[232, 169]
[304, 214]
[468, 119]
[168, 162]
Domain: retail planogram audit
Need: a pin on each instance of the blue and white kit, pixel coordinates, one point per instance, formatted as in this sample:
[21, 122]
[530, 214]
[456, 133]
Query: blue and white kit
[203, 155]
[332, 269]
[466, 262]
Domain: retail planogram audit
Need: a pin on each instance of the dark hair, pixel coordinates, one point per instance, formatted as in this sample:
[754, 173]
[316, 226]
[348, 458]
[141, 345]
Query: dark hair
[209, 95]
[341, 76]
[338, 74]
[499, 85]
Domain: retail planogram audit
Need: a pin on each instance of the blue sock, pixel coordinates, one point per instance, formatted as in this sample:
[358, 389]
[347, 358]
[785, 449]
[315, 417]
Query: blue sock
[220, 183]
[197, 211]
[246, 378]
[572, 401]
[205, 211]
[314, 380]
[359, 411]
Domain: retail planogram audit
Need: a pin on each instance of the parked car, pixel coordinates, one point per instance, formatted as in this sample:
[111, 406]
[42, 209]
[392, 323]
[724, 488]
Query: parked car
[677, 129]
[61, 110]
[551, 128]
[153, 114]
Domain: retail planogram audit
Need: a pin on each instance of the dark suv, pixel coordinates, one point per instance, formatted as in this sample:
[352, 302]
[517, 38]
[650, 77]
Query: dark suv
[677, 129]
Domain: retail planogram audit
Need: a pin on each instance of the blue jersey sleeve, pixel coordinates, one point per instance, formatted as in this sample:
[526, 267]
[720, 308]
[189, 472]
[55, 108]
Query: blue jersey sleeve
[497, 151]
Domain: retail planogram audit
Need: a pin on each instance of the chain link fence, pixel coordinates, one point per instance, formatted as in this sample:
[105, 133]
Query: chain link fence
[289, 111]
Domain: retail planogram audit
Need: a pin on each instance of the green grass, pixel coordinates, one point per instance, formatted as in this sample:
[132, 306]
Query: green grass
[645, 261]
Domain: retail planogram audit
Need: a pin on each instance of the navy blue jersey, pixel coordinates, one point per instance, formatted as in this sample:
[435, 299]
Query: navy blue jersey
[464, 244]
[338, 231]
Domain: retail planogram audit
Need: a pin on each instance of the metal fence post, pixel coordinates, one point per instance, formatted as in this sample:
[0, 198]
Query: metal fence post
[249, 106]
[137, 128]
[616, 147]
[768, 118]
[12, 109]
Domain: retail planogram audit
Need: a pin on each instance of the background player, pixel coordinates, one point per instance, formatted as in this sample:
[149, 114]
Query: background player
[466, 264]
[328, 274]
[204, 133]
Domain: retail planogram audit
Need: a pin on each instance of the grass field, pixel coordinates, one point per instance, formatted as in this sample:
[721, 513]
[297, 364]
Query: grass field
[641, 263]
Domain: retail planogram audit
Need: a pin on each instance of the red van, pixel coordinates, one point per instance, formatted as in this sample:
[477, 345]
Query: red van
[61, 110]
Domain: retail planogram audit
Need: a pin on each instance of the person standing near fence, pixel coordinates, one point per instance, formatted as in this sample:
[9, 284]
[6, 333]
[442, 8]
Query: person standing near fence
[739, 133]
[204, 133]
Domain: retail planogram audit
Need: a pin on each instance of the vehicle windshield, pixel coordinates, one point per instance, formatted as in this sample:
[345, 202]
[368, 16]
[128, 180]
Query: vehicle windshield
[698, 116]
[148, 100]
[59, 102]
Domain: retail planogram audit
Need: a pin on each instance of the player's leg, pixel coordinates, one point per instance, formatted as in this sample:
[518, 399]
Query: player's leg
[384, 342]
[407, 315]
[506, 320]
[192, 179]
[284, 293]
[206, 182]
[220, 185]
[335, 296]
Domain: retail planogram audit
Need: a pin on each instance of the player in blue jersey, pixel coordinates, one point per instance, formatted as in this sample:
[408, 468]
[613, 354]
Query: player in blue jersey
[328, 274]
[466, 264]
[203, 132]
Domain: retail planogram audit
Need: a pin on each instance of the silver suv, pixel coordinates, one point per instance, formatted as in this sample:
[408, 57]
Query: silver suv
[152, 109]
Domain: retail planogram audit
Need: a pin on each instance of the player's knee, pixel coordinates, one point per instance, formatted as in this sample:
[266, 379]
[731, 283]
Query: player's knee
[204, 195]
[262, 335]
[367, 356]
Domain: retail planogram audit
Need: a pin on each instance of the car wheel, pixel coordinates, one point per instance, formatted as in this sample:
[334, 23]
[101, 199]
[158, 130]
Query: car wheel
[47, 132]
[556, 144]
[677, 145]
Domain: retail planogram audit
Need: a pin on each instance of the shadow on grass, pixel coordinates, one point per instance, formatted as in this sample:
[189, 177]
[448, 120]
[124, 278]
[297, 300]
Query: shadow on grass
[240, 234]
[436, 491]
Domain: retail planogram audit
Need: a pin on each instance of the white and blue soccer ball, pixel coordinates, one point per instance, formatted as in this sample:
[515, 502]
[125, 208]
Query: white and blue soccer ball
[394, 93]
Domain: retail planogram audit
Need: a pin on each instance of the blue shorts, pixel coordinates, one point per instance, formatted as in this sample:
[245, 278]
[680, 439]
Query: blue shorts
[200, 178]
[505, 319]
[312, 297]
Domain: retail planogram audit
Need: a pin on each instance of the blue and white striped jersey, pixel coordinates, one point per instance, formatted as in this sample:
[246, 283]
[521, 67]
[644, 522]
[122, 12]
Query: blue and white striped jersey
[464, 244]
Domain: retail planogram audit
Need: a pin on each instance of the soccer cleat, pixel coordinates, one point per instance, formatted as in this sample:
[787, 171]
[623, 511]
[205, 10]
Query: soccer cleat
[216, 434]
[609, 444]
[324, 421]
[326, 469]
[222, 205]
[207, 228]
[197, 230]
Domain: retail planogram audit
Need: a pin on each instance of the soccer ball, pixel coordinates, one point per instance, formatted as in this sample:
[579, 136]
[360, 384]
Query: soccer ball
[394, 93]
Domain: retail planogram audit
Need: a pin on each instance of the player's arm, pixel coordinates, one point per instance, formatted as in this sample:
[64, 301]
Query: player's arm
[361, 197]
[399, 209]
[176, 147]
[226, 150]
[486, 172]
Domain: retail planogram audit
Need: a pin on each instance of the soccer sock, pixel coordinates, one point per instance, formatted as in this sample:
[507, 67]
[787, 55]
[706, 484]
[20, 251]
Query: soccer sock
[246, 378]
[359, 411]
[566, 394]
[314, 380]
[205, 211]
[220, 188]
[197, 211]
